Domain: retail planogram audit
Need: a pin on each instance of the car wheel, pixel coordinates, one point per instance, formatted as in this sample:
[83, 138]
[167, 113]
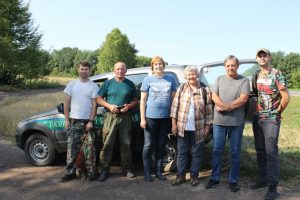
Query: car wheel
[39, 150]
[170, 158]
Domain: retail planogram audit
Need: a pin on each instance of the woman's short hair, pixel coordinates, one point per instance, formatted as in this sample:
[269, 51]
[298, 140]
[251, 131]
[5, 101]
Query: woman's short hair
[157, 59]
[190, 68]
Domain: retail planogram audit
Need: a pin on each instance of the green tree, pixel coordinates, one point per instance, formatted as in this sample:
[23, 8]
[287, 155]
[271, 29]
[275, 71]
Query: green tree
[295, 79]
[62, 61]
[251, 71]
[289, 64]
[143, 61]
[21, 55]
[89, 56]
[38, 68]
[115, 48]
[278, 59]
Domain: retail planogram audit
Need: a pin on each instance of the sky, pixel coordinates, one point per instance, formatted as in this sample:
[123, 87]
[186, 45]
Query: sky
[181, 31]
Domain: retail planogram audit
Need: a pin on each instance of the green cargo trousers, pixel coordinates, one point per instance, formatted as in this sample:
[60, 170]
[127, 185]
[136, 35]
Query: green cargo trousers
[116, 125]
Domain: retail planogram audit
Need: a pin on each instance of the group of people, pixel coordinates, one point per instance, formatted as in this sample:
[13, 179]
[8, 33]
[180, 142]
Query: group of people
[187, 110]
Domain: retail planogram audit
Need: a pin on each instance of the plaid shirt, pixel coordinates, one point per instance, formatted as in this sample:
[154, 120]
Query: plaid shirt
[203, 113]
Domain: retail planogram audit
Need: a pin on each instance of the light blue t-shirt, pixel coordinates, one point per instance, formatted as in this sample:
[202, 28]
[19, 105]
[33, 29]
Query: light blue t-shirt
[159, 91]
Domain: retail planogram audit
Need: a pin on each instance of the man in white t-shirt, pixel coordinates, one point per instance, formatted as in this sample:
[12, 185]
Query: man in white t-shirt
[80, 110]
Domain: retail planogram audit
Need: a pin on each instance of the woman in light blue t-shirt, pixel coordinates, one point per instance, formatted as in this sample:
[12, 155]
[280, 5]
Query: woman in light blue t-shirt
[157, 93]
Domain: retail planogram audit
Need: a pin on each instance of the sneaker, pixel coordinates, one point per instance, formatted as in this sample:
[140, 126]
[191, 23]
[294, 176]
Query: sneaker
[103, 176]
[129, 174]
[258, 185]
[211, 184]
[67, 177]
[179, 179]
[271, 193]
[234, 187]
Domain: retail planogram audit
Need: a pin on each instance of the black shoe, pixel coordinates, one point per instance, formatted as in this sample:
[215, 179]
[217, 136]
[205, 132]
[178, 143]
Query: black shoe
[234, 187]
[211, 184]
[179, 179]
[271, 193]
[160, 177]
[258, 185]
[82, 175]
[128, 173]
[194, 181]
[67, 177]
[91, 177]
[103, 176]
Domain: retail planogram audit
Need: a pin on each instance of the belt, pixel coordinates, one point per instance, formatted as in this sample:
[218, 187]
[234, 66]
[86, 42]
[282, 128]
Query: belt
[79, 120]
[120, 113]
[107, 110]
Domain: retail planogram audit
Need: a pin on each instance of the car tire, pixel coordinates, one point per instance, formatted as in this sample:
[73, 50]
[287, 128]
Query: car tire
[39, 150]
[170, 158]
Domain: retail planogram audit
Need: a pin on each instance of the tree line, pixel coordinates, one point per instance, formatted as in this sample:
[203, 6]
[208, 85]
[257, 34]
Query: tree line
[116, 47]
[22, 57]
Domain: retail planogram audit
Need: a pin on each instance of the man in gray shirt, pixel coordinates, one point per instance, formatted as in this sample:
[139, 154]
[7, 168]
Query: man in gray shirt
[230, 93]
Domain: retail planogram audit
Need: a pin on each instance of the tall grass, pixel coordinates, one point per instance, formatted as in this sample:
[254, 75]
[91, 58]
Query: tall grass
[59, 80]
[14, 109]
[41, 83]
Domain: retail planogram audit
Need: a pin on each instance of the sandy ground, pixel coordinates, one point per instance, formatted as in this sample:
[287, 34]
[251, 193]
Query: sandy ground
[20, 180]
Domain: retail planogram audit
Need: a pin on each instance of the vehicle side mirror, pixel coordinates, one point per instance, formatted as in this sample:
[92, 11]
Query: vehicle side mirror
[60, 108]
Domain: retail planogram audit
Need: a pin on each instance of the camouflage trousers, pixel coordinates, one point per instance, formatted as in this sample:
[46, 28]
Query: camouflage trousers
[81, 152]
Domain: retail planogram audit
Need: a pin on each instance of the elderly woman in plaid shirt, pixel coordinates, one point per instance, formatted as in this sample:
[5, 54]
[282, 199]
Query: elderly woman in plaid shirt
[191, 114]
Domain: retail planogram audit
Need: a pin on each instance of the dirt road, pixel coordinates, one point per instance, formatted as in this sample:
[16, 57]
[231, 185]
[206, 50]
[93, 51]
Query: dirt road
[19, 180]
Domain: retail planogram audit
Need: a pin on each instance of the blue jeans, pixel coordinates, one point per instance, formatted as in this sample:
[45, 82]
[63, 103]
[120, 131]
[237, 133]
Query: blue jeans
[155, 136]
[266, 133]
[183, 145]
[235, 133]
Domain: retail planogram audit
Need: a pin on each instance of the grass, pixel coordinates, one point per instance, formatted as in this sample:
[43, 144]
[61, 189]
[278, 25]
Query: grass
[46, 82]
[14, 109]
[294, 89]
[60, 80]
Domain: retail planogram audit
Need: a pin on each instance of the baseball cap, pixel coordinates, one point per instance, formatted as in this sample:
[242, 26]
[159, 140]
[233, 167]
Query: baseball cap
[266, 51]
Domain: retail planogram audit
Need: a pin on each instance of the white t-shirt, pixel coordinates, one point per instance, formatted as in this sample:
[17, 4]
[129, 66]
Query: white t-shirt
[81, 94]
